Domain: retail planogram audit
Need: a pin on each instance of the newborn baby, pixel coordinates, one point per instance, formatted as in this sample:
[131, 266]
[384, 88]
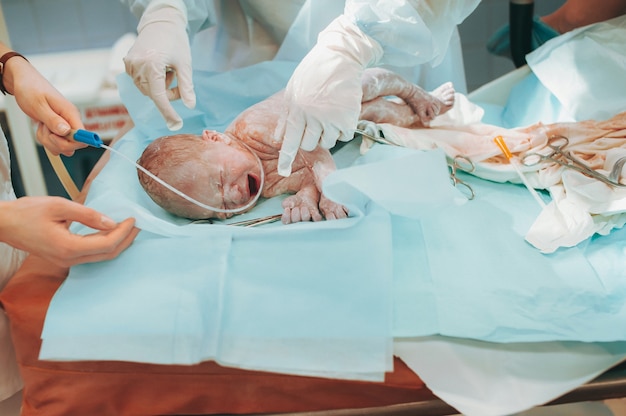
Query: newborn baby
[224, 170]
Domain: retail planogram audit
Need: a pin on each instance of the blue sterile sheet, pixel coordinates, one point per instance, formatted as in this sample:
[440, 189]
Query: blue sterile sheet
[326, 298]
[310, 298]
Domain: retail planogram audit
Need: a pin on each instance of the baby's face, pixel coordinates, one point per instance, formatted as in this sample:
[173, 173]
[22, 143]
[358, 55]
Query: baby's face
[232, 168]
[213, 169]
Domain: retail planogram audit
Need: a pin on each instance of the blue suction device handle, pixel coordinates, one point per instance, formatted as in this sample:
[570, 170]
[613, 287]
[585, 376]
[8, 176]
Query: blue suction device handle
[87, 137]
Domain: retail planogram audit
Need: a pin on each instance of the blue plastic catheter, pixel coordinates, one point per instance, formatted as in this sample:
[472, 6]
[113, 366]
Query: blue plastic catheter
[87, 137]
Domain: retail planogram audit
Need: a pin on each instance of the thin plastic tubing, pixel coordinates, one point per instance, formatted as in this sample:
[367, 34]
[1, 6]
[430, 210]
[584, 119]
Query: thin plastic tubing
[187, 197]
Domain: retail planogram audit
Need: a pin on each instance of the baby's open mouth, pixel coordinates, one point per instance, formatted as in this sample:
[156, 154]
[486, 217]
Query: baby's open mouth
[253, 185]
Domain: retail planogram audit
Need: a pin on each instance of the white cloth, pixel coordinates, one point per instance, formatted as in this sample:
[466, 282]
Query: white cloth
[587, 59]
[494, 379]
[580, 207]
[10, 260]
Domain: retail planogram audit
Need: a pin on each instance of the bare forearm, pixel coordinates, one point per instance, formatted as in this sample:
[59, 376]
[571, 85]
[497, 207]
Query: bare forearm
[578, 13]
[11, 67]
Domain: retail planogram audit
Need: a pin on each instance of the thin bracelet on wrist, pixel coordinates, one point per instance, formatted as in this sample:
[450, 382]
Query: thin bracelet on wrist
[3, 60]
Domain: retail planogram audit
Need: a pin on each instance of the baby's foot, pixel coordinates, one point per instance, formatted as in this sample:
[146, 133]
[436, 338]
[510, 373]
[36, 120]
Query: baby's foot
[427, 106]
[445, 93]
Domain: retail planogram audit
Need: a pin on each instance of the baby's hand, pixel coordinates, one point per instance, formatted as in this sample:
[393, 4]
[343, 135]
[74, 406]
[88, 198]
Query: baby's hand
[332, 210]
[309, 205]
[303, 206]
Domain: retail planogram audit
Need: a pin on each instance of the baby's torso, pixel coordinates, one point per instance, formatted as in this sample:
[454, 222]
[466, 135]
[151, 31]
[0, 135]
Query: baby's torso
[256, 127]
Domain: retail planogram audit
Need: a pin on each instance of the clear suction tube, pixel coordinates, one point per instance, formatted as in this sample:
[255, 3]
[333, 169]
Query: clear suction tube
[187, 197]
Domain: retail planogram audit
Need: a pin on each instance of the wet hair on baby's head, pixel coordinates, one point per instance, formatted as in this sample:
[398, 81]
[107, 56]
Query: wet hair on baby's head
[173, 148]
[176, 160]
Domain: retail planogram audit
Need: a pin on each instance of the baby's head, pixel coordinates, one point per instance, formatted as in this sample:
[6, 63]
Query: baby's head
[213, 169]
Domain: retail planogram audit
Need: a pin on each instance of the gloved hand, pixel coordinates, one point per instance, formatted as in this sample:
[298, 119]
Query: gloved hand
[161, 51]
[500, 42]
[324, 93]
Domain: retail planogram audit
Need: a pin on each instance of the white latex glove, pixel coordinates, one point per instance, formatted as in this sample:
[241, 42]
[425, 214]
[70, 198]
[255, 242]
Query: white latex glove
[161, 51]
[324, 93]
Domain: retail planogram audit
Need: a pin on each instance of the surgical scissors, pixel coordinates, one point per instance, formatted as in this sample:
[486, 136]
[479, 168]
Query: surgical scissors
[463, 164]
[557, 155]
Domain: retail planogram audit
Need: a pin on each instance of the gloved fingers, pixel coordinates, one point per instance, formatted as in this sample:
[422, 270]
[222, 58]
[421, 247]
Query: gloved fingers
[172, 119]
[285, 160]
[158, 92]
[139, 68]
[312, 134]
[292, 138]
[330, 135]
[185, 89]
[345, 136]
[172, 93]
[281, 126]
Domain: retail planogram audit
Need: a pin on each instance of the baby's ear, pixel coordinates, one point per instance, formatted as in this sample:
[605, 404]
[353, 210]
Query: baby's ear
[215, 136]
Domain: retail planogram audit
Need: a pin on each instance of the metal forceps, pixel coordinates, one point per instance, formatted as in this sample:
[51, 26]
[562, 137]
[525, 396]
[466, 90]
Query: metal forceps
[257, 221]
[556, 144]
[252, 222]
[461, 163]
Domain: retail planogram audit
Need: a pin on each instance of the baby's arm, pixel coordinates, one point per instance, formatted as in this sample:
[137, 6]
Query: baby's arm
[378, 83]
[303, 206]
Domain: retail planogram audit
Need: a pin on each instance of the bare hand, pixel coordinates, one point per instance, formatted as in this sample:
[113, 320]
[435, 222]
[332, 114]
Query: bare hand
[39, 225]
[44, 104]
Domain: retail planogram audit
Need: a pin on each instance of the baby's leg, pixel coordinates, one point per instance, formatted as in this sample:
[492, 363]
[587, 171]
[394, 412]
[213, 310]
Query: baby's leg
[381, 110]
[427, 105]
[379, 82]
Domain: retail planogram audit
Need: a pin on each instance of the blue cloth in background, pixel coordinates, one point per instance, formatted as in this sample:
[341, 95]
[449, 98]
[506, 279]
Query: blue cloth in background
[500, 42]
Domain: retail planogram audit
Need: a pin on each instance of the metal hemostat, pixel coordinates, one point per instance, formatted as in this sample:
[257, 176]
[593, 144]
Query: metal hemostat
[556, 144]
